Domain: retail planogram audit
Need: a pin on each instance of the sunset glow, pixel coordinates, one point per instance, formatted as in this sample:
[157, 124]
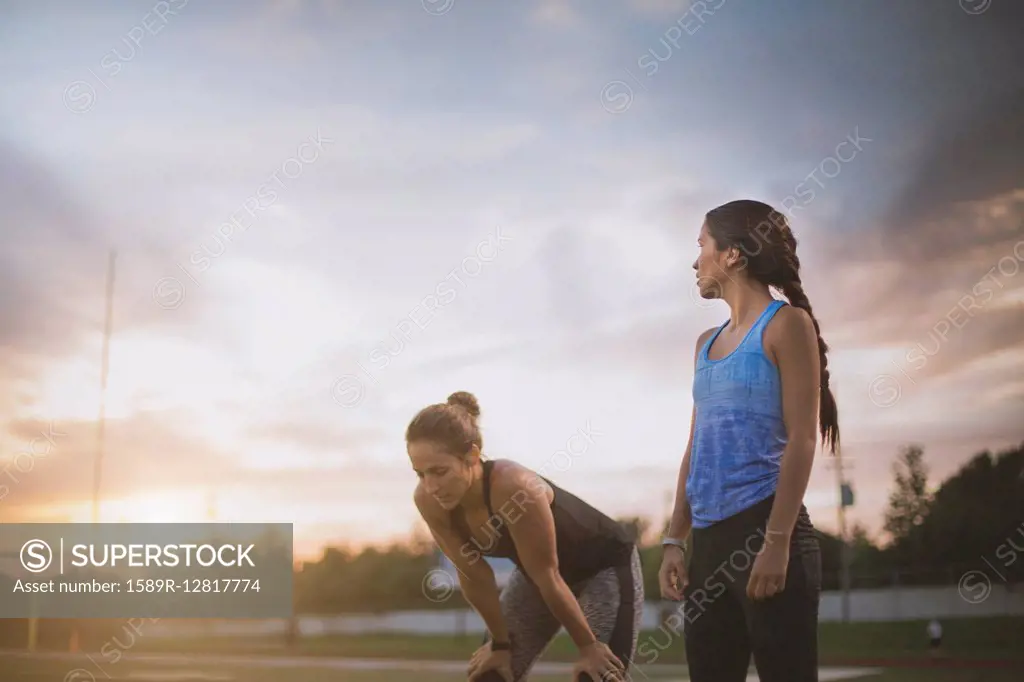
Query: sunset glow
[308, 254]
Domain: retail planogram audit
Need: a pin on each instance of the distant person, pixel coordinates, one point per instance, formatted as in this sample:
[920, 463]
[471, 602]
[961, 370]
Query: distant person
[575, 567]
[934, 637]
[761, 394]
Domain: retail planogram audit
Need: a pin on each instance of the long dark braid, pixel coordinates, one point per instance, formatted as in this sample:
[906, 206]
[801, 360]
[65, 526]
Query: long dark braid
[765, 239]
[828, 411]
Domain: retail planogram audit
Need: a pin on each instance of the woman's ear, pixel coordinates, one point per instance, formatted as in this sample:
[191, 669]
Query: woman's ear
[733, 258]
[474, 455]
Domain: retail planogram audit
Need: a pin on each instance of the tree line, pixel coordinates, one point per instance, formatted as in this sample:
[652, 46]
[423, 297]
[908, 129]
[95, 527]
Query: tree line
[971, 521]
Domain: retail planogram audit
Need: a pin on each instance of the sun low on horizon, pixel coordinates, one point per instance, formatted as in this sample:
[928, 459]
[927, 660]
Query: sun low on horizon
[306, 254]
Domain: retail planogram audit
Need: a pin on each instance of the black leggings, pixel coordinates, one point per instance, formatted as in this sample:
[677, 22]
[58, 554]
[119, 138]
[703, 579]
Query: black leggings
[723, 627]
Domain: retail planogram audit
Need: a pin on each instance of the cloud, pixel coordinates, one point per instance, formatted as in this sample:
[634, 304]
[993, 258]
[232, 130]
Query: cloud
[661, 8]
[53, 271]
[556, 14]
[966, 163]
[43, 281]
[153, 454]
[144, 452]
[341, 442]
[592, 304]
[940, 271]
[574, 275]
[286, 30]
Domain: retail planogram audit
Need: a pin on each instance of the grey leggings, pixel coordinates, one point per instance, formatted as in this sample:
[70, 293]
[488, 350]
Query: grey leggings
[612, 602]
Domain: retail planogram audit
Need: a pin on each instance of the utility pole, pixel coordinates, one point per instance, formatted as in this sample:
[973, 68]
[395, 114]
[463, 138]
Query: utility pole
[101, 426]
[102, 421]
[845, 500]
[844, 575]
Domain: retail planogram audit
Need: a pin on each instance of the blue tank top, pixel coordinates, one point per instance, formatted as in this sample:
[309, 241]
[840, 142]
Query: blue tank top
[739, 434]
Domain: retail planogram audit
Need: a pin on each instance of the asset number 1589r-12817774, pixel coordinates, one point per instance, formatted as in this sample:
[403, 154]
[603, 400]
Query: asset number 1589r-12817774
[208, 585]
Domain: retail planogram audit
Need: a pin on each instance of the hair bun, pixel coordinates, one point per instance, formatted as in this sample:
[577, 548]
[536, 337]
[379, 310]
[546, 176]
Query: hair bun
[466, 401]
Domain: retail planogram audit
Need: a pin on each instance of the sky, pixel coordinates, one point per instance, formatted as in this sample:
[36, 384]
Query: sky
[328, 214]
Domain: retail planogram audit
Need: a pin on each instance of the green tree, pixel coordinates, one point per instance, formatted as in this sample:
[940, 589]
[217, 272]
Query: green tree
[868, 565]
[831, 552]
[971, 520]
[909, 500]
[975, 514]
[978, 512]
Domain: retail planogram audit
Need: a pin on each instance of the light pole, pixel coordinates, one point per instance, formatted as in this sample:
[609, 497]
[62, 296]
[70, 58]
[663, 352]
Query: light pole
[845, 491]
[102, 422]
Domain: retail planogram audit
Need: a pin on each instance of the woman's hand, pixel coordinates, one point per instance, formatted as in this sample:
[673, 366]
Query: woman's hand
[672, 576]
[598, 661]
[768, 576]
[484, 659]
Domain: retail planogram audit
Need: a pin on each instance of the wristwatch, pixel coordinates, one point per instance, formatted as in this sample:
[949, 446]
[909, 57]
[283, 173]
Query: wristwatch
[666, 540]
[500, 646]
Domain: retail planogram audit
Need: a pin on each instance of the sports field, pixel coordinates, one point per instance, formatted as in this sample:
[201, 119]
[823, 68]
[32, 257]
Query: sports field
[996, 638]
[977, 649]
[170, 668]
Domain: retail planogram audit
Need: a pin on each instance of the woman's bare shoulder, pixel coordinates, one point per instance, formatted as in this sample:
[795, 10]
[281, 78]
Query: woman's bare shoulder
[511, 480]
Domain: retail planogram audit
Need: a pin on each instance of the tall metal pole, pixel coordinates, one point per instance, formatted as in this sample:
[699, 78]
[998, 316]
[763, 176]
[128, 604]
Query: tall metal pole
[101, 426]
[102, 422]
[843, 562]
[844, 554]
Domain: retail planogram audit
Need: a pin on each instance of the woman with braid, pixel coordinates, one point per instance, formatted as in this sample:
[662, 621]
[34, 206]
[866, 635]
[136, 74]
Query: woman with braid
[760, 398]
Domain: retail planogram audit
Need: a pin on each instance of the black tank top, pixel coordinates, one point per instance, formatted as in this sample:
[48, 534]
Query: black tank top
[587, 541]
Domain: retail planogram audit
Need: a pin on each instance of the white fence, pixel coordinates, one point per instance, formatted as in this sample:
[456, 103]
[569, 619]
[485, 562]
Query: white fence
[890, 604]
[916, 603]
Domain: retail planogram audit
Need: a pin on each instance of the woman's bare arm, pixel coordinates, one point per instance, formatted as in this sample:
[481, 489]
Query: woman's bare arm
[476, 578]
[520, 498]
[795, 347]
[682, 520]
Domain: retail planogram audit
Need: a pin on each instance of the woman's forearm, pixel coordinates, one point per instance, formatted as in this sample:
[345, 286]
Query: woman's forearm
[482, 594]
[565, 607]
[682, 519]
[794, 474]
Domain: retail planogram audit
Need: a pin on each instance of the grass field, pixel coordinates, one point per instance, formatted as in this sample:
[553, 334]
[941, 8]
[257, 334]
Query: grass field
[974, 638]
[82, 669]
[874, 652]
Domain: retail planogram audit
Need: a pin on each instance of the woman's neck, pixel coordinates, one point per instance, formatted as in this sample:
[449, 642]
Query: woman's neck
[474, 497]
[746, 301]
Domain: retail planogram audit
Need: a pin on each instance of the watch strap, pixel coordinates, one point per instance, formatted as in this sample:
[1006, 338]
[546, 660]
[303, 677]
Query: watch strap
[675, 542]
